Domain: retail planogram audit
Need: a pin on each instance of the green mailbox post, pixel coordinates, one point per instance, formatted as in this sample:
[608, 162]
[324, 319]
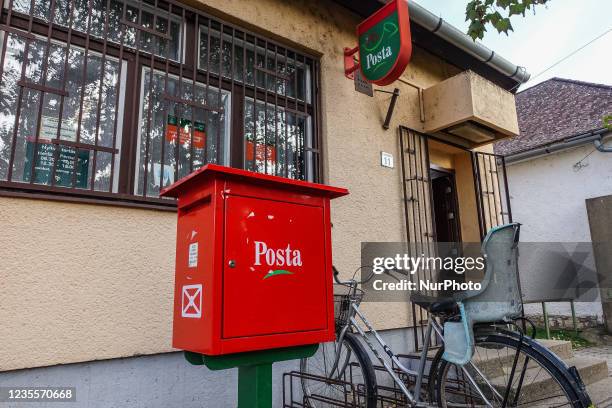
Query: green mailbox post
[254, 370]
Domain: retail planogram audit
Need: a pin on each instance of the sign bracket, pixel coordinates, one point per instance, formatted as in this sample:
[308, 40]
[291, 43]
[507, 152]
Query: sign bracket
[350, 64]
[395, 95]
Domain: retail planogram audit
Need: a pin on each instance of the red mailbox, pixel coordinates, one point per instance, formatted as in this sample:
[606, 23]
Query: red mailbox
[253, 262]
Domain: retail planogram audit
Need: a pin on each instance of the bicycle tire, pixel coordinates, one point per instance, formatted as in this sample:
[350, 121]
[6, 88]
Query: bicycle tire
[555, 367]
[432, 376]
[364, 361]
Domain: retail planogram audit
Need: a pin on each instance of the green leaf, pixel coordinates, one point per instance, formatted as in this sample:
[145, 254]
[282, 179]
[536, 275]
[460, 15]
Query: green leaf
[470, 14]
[481, 13]
[516, 9]
[476, 30]
[607, 121]
[503, 25]
[470, 6]
[495, 18]
[277, 272]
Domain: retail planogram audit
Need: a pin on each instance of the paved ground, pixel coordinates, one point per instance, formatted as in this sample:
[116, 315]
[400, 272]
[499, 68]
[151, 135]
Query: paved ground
[599, 352]
[600, 393]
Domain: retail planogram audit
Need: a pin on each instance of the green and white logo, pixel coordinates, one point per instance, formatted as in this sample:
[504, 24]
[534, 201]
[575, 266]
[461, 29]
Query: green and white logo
[379, 47]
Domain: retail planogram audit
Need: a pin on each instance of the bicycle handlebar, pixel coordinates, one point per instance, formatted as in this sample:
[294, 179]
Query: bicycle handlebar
[336, 273]
[368, 277]
[350, 281]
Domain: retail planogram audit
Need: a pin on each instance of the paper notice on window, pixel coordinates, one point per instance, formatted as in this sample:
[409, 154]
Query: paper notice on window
[193, 255]
[49, 125]
[168, 176]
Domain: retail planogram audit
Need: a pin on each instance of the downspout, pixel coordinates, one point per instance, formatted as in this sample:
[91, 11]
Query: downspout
[451, 34]
[599, 145]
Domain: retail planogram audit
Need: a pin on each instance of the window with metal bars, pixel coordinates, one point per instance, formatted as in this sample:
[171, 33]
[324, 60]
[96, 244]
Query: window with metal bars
[122, 98]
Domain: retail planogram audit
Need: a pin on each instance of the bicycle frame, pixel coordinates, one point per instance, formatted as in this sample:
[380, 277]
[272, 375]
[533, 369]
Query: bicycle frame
[432, 326]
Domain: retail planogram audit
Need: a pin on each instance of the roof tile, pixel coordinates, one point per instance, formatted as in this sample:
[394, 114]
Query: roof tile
[554, 110]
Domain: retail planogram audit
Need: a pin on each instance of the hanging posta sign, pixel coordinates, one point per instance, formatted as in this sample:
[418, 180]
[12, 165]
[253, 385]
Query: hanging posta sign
[385, 44]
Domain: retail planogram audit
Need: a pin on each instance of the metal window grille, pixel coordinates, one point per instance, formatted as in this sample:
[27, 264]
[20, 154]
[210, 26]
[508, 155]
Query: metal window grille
[418, 215]
[491, 185]
[124, 97]
[492, 199]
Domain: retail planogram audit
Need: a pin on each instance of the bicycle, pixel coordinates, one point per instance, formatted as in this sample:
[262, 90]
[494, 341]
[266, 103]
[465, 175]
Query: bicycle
[485, 360]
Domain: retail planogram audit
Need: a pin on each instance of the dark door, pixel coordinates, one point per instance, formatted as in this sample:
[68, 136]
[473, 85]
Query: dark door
[444, 197]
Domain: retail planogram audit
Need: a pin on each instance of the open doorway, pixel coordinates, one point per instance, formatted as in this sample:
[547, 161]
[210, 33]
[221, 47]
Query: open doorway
[445, 207]
[445, 217]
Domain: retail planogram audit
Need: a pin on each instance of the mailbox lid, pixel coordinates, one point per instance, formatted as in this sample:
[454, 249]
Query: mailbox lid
[195, 180]
[278, 282]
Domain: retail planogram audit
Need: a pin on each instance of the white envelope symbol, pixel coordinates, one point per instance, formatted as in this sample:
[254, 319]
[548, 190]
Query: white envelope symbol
[192, 301]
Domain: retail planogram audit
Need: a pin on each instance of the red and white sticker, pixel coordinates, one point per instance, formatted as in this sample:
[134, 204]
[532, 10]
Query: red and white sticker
[193, 255]
[191, 305]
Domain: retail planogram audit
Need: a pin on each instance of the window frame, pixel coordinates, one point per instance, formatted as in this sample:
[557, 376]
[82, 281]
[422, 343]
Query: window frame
[120, 86]
[135, 60]
[141, 116]
[308, 137]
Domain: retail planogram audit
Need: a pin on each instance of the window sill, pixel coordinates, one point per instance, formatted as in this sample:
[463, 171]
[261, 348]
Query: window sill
[84, 197]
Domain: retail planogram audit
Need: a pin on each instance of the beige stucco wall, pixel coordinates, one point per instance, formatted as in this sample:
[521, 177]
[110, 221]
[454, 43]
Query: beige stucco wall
[466, 195]
[82, 281]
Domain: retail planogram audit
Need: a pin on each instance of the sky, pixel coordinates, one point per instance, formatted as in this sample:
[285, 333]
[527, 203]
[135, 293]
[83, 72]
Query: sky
[538, 41]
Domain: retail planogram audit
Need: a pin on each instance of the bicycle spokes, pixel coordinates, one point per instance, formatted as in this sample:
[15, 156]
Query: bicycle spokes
[499, 376]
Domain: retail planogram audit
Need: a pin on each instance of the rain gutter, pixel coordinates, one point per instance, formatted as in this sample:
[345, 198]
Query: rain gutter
[453, 35]
[595, 136]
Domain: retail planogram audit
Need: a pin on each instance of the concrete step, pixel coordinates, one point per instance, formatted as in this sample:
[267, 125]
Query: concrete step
[600, 392]
[591, 369]
[492, 362]
[539, 382]
[562, 348]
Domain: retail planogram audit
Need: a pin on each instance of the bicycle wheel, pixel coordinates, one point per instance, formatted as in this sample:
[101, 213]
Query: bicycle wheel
[539, 380]
[352, 383]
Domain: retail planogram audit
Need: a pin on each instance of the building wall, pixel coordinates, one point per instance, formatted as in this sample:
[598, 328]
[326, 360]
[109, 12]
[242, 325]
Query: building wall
[600, 213]
[554, 186]
[466, 195]
[83, 282]
[548, 197]
[161, 381]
